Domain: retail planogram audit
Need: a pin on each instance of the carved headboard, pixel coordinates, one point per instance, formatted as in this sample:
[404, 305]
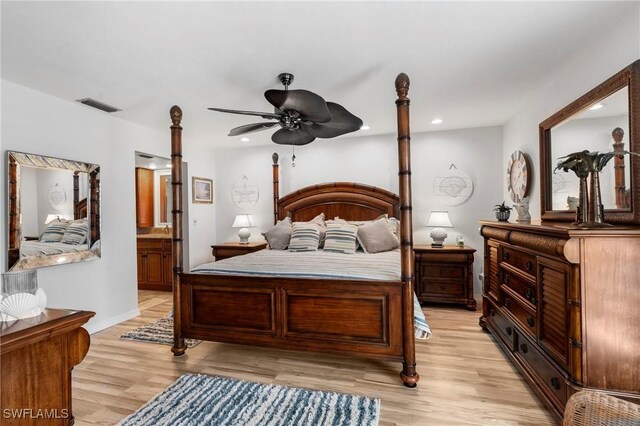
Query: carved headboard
[348, 200]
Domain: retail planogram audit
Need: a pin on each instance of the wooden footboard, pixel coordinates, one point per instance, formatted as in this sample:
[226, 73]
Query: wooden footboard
[337, 316]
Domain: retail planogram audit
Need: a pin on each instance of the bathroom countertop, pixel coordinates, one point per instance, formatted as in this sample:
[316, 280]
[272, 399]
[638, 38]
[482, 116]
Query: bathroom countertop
[154, 236]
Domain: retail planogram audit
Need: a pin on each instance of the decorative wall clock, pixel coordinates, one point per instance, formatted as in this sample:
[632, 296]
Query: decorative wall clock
[519, 176]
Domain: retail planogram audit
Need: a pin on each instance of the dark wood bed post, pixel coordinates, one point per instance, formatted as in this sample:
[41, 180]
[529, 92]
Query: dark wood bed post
[94, 207]
[618, 166]
[14, 215]
[276, 186]
[76, 192]
[179, 345]
[409, 374]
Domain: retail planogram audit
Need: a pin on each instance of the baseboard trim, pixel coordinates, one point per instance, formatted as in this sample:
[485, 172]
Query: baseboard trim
[94, 327]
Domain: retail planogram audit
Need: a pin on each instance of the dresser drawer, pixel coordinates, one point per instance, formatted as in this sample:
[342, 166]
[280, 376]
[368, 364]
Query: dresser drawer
[503, 327]
[443, 288]
[521, 314]
[442, 271]
[149, 244]
[551, 380]
[525, 262]
[520, 286]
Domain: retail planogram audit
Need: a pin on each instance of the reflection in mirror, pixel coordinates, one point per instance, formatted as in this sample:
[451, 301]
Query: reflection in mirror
[592, 129]
[154, 195]
[605, 119]
[164, 198]
[53, 211]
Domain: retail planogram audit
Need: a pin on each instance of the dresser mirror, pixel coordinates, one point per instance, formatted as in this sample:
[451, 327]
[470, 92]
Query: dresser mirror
[605, 119]
[53, 211]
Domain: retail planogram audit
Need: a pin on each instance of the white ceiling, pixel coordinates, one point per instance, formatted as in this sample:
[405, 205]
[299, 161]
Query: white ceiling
[470, 63]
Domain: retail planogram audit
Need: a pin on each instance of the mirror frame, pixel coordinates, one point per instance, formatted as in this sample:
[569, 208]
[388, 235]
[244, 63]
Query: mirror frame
[16, 160]
[629, 77]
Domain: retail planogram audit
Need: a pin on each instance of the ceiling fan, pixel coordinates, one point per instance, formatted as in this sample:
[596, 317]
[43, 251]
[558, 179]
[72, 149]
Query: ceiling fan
[302, 116]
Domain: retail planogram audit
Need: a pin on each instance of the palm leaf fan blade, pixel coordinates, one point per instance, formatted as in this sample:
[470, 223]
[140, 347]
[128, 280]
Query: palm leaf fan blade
[343, 122]
[308, 105]
[299, 136]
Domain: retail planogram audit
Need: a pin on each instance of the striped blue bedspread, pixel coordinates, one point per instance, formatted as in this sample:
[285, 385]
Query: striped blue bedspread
[319, 264]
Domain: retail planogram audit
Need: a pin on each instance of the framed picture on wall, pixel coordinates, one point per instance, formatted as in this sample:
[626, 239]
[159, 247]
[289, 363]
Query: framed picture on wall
[202, 190]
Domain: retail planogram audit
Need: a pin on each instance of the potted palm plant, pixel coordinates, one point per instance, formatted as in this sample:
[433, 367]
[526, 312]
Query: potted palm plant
[502, 212]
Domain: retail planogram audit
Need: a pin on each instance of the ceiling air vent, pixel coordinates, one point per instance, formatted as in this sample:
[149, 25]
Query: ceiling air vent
[147, 156]
[98, 105]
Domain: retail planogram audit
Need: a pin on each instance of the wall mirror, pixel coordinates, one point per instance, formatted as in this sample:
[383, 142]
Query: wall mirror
[605, 119]
[53, 211]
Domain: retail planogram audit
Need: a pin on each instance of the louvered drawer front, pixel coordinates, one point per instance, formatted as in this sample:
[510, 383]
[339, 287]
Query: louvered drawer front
[551, 379]
[520, 286]
[443, 289]
[525, 262]
[521, 314]
[503, 326]
[442, 271]
[554, 308]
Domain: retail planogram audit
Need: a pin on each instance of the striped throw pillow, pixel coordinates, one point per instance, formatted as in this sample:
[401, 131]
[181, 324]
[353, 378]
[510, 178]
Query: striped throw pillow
[76, 233]
[305, 237]
[54, 231]
[341, 238]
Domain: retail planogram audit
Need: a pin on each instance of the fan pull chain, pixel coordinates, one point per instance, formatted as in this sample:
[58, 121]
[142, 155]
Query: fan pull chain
[293, 157]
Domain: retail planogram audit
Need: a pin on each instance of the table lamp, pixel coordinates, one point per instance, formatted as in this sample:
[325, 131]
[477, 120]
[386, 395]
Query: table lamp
[243, 221]
[439, 220]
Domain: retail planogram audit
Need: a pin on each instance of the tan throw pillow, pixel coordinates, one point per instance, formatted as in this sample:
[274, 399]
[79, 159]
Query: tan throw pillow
[376, 237]
[279, 235]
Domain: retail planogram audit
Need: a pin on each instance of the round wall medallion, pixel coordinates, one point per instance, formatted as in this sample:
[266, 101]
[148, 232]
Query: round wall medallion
[245, 193]
[518, 176]
[57, 197]
[454, 187]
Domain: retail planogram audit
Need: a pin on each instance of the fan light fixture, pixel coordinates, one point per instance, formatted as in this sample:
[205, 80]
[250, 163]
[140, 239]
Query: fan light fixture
[302, 116]
[439, 220]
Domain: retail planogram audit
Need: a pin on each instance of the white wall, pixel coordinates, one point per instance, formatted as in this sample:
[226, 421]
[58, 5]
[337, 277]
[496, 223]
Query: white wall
[371, 160]
[612, 49]
[38, 123]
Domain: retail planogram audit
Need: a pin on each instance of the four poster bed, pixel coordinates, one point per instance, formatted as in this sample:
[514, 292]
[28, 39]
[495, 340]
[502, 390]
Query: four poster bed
[363, 317]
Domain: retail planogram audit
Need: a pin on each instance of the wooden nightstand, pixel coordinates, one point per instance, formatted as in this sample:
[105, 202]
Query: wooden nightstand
[227, 250]
[444, 275]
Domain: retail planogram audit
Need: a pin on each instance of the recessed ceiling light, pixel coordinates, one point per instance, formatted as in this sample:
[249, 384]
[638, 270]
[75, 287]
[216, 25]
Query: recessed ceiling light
[364, 127]
[152, 166]
[596, 106]
[436, 121]
[168, 166]
[245, 139]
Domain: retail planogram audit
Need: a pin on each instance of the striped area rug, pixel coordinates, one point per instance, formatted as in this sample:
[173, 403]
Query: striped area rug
[160, 331]
[209, 400]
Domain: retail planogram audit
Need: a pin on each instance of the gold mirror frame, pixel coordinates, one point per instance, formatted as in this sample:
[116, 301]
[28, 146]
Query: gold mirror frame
[88, 207]
[628, 77]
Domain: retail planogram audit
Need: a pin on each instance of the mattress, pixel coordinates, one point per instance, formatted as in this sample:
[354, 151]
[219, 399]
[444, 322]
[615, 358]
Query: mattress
[318, 264]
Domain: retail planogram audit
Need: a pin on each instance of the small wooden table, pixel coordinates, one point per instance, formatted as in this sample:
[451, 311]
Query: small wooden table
[36, 358]
[445, 275]
[227, 250]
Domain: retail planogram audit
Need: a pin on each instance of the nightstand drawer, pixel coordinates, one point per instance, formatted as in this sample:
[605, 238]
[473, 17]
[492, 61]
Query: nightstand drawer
[443, 288]
[442, 271]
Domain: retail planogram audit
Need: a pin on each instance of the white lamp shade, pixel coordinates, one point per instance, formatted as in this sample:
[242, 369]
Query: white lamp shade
[243, 221]
[439, 219]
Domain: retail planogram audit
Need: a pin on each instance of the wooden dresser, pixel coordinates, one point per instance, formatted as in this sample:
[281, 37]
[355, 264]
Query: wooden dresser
[37, 356]
[564, 305]
[445, 275]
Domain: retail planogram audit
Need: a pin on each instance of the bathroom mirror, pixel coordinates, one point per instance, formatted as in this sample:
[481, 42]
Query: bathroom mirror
[604, 119]
[53, 211]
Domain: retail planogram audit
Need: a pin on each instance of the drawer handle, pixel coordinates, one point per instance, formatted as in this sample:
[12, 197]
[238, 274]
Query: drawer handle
[531, 322]
[555, 383]
[492, 312]
[505, 256]
[523, 348]
[443, 287]
[529, 265]
[529, 293]
[509, 331]
[507, 301]
[505, 279]
[533, 300]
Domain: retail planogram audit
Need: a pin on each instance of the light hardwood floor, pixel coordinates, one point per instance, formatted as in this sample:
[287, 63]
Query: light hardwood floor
[465, 379]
